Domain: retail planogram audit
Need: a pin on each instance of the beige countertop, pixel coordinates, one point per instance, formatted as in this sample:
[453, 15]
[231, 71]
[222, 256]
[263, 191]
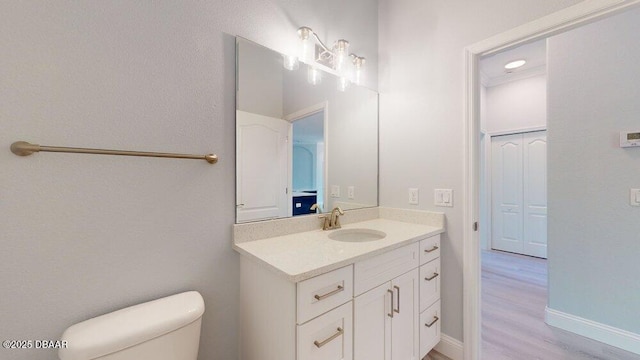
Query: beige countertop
[303, 255]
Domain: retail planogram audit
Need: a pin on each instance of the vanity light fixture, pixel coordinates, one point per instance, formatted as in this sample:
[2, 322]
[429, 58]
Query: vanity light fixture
[348, 66]
[515, 64]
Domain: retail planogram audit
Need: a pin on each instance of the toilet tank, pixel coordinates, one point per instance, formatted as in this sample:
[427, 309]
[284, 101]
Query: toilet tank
[162, 329]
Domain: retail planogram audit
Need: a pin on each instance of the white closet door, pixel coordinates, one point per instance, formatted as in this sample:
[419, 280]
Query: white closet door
[506, 190]
[262, 167]
[519, 193]
[535, 194]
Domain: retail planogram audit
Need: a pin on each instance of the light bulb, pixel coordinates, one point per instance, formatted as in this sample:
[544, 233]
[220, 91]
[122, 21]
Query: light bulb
[358, 76]
[341, 50]
[307, 49]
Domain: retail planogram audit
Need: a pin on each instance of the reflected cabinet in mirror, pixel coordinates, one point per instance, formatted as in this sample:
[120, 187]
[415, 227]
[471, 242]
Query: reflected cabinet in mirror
[302, 145]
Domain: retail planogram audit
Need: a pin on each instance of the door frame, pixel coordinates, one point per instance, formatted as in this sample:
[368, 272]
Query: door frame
[580, 14]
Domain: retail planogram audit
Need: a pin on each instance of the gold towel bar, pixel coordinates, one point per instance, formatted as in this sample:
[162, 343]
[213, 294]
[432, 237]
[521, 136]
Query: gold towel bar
[23, 148]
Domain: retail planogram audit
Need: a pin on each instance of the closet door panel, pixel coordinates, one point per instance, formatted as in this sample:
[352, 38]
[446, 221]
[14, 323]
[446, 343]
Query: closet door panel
[535, 194]
[506, 189]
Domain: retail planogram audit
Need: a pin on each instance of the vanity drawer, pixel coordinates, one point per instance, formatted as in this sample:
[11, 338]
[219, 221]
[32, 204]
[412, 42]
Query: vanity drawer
[429, 249]
[429, 329]
[328, 337]
[382, 268]
[323, 293]
[429, 283]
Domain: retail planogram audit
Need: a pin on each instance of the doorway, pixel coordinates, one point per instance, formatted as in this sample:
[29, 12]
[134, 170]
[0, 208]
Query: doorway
[546, 26]
[309, 161]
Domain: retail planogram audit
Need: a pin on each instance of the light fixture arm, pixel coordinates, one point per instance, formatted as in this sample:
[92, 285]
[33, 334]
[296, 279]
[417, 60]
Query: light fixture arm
[305, 32]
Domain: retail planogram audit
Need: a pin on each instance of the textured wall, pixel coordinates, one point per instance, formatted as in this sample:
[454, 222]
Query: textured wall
[421, 83]
[594, 234]
[83, 235]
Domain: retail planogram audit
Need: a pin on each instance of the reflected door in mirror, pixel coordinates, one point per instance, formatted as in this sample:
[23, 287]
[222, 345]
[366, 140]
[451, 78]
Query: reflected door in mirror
[262, 166]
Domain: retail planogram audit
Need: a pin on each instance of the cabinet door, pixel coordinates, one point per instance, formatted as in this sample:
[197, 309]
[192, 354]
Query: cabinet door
[405, 339]
[372, 324]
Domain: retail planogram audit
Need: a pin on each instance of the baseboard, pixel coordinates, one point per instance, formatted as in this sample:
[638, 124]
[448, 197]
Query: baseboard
[609, 335]
[450, 347]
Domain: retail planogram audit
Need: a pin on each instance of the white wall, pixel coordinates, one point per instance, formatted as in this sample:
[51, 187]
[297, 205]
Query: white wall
[82, 235]
[421, 85]
[260, 80]
[594, 234]
[516, 105]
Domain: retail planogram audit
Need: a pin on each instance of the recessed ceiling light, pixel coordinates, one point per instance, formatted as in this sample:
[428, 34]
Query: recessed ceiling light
[515, 64]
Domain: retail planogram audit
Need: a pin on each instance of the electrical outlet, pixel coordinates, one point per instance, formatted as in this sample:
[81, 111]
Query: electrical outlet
[413, 196]
[351, 192]
[335, 191]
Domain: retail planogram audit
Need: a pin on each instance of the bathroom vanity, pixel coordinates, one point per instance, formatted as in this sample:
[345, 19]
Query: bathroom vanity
[306, 296]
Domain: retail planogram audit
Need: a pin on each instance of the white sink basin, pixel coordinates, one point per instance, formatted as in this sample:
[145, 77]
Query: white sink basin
[357, 235]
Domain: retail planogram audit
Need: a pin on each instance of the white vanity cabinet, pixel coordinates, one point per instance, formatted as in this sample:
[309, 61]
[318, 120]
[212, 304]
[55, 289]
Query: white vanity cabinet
[385, 307]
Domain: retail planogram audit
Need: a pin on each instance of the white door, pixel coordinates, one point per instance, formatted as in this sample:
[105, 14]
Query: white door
[262, 167]
[372, 324]
[405, 337]
[535, 194]
[519, 193]
[506, 192]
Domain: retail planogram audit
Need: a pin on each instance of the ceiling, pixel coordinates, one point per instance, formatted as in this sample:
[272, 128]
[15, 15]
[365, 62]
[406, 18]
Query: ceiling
[492, 69]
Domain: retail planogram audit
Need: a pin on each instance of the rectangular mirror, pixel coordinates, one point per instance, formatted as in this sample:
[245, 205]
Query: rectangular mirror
[300, 141]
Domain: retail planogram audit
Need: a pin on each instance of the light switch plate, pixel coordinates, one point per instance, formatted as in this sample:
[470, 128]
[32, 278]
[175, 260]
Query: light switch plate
[351, 192]
[443, 197]
[634, 197]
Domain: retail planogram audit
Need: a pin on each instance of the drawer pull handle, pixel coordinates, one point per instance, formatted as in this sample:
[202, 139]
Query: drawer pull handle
[320, 344]
[435, 320]
[320, 297]
[434, 248]
[398, 309]
[392, 307]
[435, 275]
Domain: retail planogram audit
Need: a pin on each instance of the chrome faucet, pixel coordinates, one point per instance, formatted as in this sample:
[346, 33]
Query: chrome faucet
[332, 221]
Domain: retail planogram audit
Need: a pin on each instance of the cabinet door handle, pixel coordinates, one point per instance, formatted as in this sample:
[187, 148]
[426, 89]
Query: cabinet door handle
[392, 307]
[435, 275]
[324, 342]
[324, 296]
[398, 309]
[435, 320]
[434, 248]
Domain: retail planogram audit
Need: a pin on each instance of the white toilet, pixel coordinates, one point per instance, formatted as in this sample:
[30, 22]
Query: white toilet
[163, 329]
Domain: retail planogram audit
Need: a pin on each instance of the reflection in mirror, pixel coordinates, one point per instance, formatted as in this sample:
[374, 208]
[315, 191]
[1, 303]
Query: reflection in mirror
[302, 145]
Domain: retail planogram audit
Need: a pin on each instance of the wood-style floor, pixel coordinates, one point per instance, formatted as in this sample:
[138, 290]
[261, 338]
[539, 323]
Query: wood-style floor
[514, 296]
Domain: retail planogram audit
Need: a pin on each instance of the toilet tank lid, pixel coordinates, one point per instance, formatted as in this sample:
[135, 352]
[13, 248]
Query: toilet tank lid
[130, 326]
